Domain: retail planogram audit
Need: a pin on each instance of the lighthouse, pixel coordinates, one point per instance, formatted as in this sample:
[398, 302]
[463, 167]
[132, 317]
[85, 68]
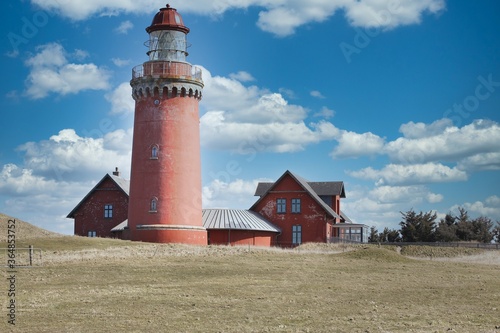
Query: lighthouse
[165, 179]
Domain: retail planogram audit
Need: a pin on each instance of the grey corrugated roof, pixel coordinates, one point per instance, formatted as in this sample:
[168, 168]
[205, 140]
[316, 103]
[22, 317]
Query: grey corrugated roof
[240, 219]
[235, 219]
[121, 226]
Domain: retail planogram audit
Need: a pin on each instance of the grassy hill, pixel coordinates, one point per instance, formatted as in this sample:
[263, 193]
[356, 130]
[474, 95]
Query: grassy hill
[106, 285]
[24, 230]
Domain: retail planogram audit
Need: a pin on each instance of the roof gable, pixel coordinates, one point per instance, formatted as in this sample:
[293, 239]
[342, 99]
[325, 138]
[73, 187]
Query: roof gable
[268, 187]
[122, 184]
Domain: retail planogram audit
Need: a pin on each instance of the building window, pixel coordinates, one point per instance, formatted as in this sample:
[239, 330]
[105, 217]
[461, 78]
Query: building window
[154, 152]
[108, 211]
[352, 234]
[280, 206]
[295, 205]
[297, 234]
[91, 234]
[153, 206]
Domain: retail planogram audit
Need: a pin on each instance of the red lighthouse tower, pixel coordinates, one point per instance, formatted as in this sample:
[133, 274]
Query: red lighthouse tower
[165, 180]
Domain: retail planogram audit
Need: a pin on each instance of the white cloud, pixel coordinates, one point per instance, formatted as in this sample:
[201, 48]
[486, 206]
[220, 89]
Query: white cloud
[120, 62]
[124, 27]
[280, 17]
[317, 94]
[390, 14]
[15, 180]
[404, 194]
[352, 144]
[485, 161]
[121, 99]
[395, 174]
[441, 141]
[41, 200]
[235, 194]
[50, 72]
[68, 156]
[249, 119]
[325, 113]
[490, 207]
[242, 76]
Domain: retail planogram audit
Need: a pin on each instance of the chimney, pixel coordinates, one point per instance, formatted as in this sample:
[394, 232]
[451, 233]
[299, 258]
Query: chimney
[116, 172]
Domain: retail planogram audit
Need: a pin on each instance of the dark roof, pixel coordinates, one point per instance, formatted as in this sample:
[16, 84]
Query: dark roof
[123, 185]
[321, 188]
[234, 219]
[305, 185]
[240, 219]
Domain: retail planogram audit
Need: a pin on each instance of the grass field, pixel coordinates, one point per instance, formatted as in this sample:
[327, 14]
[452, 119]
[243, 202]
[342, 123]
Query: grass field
[101, 285]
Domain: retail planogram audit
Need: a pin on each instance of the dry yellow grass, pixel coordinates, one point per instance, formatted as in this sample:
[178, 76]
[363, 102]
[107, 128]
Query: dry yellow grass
[137, 287]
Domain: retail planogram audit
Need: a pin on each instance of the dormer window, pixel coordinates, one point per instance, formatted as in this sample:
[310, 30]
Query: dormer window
[154, 152]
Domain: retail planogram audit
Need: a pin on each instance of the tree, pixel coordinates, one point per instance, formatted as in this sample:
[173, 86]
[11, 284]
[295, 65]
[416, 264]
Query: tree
[418, 227]
[482, 229]
[496, 232]
[389, 235]
[393, 236]
[446, 230]
[373, 237]
[464, 227]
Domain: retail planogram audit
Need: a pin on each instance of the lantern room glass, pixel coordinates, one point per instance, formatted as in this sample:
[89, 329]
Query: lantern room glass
[167, 45]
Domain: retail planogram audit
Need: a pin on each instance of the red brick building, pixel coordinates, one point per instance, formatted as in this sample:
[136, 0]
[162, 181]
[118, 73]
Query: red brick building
[105, 206]
[306, 211]
[289, 212]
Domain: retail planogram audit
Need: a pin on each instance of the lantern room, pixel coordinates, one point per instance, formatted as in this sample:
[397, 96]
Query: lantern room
[167, 36]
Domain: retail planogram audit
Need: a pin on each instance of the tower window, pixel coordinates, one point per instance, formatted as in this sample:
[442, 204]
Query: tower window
[108, 211]
[154, 152]
[280, 206]
[295, 205]
[153, 206]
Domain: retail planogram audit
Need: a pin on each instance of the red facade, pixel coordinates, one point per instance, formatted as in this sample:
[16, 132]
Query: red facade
[165, 179]
[241, 237]
[300, 214]
[102, 209]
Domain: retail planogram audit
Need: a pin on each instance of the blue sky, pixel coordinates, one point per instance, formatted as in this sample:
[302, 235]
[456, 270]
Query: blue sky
[399, 99]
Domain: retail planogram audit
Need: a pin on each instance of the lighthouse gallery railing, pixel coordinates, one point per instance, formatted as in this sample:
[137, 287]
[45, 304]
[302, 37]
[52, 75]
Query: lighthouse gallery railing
[167, 69]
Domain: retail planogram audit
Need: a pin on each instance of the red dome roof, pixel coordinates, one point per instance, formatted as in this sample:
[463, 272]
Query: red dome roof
[167, 19]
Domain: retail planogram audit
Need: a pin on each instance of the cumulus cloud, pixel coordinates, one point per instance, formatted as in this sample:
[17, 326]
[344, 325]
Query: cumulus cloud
[121, 99]
[280, 18]
[441, 141]
[490, 207]
[325, 113]
[351, 144]
[249, 119]
[397, 174]
[234, 194]
[51, 72]
[67, 156]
